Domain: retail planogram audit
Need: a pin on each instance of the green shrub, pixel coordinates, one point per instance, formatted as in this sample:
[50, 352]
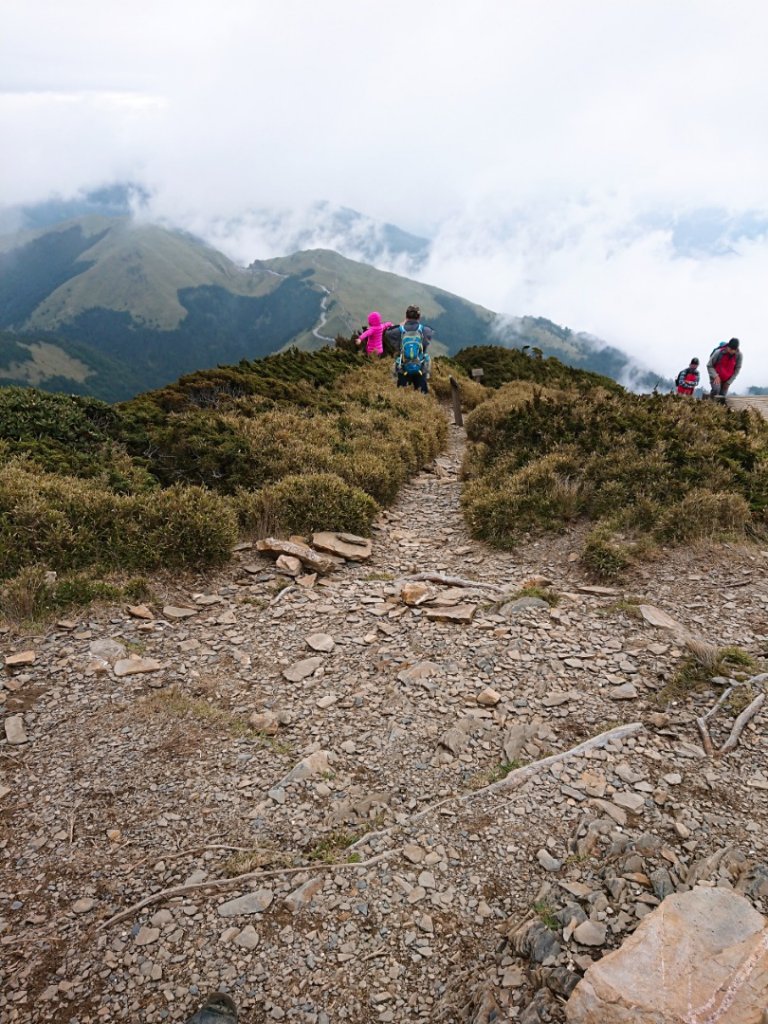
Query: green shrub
[501, 365]
[603, 557]
[648, 466]
[168, 478]
[67, 523]
[703, 514]
[36, 592]
[545, 495]
[301, 504]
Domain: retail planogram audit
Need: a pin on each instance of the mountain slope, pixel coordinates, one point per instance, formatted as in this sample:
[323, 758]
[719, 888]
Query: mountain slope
[110, 307]
[354, 289]
[160, 302]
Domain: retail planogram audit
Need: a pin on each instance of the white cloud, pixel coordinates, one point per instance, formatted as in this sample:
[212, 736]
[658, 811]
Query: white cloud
[537, 140]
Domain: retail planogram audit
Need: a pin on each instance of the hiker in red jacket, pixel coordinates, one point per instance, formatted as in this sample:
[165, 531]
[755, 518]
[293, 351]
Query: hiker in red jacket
[723, 368]
[688, 379]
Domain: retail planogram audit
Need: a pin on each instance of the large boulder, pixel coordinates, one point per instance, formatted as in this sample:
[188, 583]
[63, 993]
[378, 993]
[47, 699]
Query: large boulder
[701, 956]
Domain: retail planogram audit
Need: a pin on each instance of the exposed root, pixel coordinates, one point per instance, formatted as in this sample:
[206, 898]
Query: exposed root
[448, 581]
[701, 722]
[511, 781]
[236, 882]
[738, 726]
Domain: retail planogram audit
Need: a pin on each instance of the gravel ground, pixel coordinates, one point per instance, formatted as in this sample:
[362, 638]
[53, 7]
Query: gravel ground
[211, 763]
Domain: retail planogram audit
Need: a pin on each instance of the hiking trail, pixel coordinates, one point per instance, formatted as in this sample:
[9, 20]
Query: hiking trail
[391, 874]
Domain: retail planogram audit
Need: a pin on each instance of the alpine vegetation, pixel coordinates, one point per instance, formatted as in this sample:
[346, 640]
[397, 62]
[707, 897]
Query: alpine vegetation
[639, 470]
[173, 478]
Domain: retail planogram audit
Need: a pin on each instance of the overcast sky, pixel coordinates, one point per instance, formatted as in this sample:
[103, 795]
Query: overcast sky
[552, 148]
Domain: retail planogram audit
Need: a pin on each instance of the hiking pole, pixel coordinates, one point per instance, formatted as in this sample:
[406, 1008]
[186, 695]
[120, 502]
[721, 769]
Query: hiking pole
[458, 419]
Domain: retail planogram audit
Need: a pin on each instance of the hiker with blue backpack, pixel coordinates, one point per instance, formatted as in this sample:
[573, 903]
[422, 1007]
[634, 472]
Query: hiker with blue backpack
[723, 367]
[412, 338]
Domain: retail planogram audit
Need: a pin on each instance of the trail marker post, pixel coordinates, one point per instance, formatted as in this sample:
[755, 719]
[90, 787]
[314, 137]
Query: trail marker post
[458, 419]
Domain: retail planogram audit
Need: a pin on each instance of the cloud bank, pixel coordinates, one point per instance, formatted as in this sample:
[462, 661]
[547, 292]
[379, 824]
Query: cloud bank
[550, 150]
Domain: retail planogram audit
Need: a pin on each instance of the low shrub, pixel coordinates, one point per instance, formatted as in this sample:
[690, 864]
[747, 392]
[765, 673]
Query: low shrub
[36, 592]
[547, 494]
[644, 469]
[603, 557]
[701, 514]
[501, 365]
[168, 478]
[66, 523]
[301, 504]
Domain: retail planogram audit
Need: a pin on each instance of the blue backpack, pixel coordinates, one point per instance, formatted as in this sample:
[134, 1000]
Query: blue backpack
[411, 358]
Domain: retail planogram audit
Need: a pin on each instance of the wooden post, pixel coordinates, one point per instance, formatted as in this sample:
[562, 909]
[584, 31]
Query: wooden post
[458, 419]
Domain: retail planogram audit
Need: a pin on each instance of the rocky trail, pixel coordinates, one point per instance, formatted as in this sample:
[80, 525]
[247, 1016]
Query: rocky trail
[322, 794]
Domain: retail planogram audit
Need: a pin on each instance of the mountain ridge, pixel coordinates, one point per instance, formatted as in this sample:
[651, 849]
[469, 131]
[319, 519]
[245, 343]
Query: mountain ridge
[111, 292]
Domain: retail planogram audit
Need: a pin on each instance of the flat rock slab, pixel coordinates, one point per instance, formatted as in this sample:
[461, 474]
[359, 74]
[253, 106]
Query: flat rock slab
[700, 956]
[521, 604]
[419, 672]
[303, 896]
[556, 699]
[302, 669]
[136, 666]
[312, 764]
[108, 650]
[140, 611]
[632, 801]
[321, 642]
[343, 545]
[172, 611]
[290, 565]
[252, 903]
[460, 613]
[415, 593]
[627, 691]
[15, 732]
[656, 617]
[20, 659]
[313, 560]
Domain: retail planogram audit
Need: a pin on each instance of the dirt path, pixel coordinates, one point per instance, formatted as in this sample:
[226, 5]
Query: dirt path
[758, 402]
[132, 784]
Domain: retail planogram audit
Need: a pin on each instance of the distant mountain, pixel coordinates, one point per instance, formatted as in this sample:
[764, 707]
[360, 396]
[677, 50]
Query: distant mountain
[109, 307]
[579, 349]
[319, 225]
[256, 232]
[158, 302]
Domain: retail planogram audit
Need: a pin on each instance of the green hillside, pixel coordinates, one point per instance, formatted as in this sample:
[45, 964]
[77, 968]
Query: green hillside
[354, 289]
[173, 478]
[108, 307]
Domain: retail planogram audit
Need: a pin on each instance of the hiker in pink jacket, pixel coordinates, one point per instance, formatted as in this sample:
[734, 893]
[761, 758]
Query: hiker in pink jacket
[373, 337]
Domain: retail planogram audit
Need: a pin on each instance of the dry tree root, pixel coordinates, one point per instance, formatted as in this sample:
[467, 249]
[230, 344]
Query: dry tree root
[701, 722]
[236, 882]
[448, 581]
[512, 781]
[738, 726]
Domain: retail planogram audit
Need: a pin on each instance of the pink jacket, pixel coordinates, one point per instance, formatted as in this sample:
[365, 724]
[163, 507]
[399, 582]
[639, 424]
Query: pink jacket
[372, 338]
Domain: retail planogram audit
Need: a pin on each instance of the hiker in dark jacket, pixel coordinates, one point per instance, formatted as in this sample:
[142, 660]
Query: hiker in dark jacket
[688, 379]
[411, 327]
[723, 368]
